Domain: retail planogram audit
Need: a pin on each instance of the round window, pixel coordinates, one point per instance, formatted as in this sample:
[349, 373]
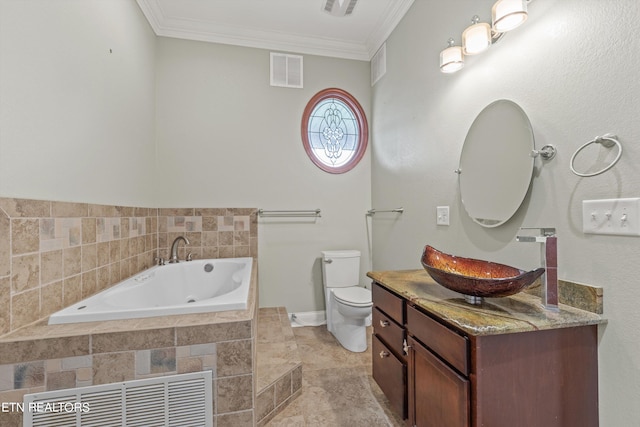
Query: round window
[334, 131]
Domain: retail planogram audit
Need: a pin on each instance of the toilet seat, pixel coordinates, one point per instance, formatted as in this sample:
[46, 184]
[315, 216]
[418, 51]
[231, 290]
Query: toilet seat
[354, 296]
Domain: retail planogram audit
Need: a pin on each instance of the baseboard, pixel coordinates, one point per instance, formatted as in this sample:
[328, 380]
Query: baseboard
[308, 318]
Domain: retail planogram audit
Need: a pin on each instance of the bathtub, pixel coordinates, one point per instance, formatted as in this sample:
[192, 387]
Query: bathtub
[199, 286]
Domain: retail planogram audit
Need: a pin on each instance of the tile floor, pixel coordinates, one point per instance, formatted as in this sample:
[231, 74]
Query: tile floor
[337, 387]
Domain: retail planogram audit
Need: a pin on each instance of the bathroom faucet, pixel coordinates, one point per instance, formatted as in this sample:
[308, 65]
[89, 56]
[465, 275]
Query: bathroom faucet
[173, 258]
[549, 261]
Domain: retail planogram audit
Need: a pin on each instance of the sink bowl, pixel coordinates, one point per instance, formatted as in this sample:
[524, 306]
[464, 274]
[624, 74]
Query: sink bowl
[474, 277]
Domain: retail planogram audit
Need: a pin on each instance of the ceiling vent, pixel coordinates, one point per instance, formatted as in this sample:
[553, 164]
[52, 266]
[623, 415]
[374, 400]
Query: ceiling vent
[286, 70]
[339, 7]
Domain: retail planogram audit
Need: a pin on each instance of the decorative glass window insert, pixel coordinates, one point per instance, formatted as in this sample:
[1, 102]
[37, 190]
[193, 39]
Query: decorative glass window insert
[334, 131]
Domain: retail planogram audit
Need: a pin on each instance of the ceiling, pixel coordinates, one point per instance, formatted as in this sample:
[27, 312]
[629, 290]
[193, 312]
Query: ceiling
[298, 26]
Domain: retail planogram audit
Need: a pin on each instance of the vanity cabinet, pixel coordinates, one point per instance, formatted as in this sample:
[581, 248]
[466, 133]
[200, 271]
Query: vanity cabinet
[447, 376]
[389, 368]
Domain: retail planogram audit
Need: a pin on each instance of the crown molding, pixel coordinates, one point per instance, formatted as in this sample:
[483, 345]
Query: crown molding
[196, 30]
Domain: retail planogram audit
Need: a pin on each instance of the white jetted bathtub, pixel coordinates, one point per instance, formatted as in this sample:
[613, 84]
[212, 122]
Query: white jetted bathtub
[199, 286]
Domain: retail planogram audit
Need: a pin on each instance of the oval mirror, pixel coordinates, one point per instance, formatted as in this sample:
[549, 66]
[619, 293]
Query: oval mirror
[496, 165]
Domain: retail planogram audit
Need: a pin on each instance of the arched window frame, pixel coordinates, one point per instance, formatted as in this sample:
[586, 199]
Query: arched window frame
[361, 121]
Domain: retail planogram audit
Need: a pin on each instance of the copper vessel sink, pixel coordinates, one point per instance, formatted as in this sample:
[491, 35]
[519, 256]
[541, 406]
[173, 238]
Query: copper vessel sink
[474, 277]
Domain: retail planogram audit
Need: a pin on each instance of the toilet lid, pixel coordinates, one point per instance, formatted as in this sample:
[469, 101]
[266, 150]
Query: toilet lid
[353, 295]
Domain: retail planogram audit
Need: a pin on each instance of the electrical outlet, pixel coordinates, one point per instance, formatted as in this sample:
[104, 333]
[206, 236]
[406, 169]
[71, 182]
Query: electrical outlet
[611, 216]
[442, 215]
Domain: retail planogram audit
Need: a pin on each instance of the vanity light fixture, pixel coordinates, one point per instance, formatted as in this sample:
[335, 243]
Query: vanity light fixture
[508, 14]
[477, 37]
[451, 58]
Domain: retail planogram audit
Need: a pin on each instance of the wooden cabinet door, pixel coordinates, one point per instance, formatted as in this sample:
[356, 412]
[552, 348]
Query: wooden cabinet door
[438, 396]
[390, 375]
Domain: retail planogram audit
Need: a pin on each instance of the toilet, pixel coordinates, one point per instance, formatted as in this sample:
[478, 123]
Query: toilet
[348, 305]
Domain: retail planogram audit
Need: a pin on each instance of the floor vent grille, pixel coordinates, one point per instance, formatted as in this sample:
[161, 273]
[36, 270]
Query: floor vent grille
[172, 401]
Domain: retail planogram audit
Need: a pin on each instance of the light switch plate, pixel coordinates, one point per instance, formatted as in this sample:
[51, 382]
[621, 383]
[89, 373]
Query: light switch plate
[611, 216]
[442, 215]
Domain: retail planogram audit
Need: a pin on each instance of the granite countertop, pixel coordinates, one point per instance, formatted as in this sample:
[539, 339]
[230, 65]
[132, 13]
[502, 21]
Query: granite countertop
[518, 313]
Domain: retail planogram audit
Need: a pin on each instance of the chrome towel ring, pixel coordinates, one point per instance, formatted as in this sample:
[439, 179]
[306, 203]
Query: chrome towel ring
[608, 140]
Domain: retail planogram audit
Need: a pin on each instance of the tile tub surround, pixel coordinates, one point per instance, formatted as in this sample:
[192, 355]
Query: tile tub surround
[53, 254]
[279, 366]
[43, 357]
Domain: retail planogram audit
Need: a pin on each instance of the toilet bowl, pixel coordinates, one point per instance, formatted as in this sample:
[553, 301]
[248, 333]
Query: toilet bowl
[348, 305]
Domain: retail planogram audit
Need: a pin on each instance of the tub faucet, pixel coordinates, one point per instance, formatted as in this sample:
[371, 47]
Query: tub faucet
[549, 261]
[173, 258]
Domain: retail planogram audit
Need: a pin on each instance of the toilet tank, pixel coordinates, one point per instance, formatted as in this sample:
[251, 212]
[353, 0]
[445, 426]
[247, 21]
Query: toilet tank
[340, 269]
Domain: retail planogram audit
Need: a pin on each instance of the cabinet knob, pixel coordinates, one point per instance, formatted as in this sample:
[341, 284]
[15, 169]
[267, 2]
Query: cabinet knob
[384, 354]
[384, 323]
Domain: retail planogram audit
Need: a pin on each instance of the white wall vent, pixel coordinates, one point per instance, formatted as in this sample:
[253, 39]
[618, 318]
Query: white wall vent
[174, 401]
[286, 70]
[379, 64]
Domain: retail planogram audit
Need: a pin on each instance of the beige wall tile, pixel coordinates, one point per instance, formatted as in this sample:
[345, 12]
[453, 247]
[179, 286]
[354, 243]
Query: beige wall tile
[114, 251]
[26, 272]
[226, 252]
[5, 302]
[72, 261]
[51, 266]
[240, 419]
[103, 253]
[283, 389]
[72, 290]
[49, 348]
[133, 340]
[27, 375]
[206, 334]
[25, 308]
[61, 380]
[51, 298]
[6, 377]
[162, 360]
[88, 230]
[5, 248]
[265, 403]
[69, 209]
[234, 393]
[84, 375]
[89, 284]
[234, 358]
[113, 367]
[103, 278]
[89, 257]
[189, 364]
[25, 208]
[76, 362]
[25, 235]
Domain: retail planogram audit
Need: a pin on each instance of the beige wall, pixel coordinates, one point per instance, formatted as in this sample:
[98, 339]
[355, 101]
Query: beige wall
[77, 92]
[572, 68]
[225, 136]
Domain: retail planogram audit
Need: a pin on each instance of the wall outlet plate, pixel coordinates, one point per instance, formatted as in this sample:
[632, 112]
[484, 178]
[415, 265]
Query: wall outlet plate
[611, 216]
[442, 215]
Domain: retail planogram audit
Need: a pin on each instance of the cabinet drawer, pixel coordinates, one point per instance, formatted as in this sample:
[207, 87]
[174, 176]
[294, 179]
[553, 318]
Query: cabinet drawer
[446, 343]
[389, 373]
[389, 332]
[392, 305]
